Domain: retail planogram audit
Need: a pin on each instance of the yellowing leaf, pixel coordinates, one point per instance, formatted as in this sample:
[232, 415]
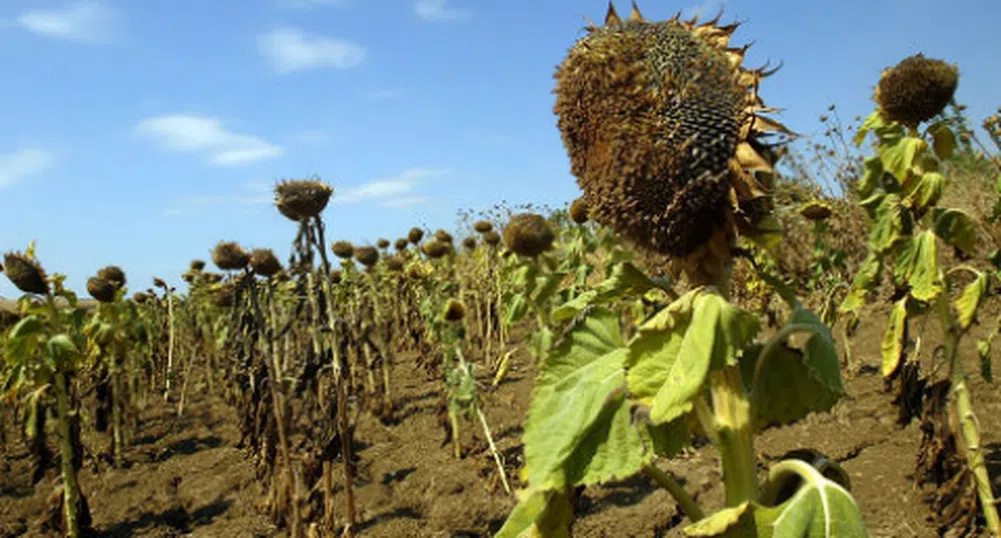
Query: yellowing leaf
[973, 295]
[900, 156]
[887, 224]
[865, 280]
[957, 228]
[892, 347]
[927, 191]
[917, 265]
[943, 140]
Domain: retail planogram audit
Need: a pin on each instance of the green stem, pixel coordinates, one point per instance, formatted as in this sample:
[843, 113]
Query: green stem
[732, 414]
[71, 491]
[968, 420]
[668, 482]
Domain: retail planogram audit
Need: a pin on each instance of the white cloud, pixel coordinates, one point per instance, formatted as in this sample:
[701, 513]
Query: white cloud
[22, 164]
[405, 201]
[387, 189]
[438, 11]
[85, 21]
[206, 136]
[312, 137]
[290, 49]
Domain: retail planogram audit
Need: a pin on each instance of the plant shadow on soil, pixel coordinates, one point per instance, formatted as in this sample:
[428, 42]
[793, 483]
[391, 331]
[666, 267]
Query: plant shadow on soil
[187, 475]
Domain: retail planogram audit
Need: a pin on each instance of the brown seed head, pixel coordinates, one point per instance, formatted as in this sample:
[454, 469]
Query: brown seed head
[343, 249]
[140, 297]
[415, 271]
[443, 236]
[114, 275]
[25, 273]
[197, 265]
[213, 278]
[815, 210]
[528, 234]
[916, 89]
[394, 263]
[264, 262]
[492, 238]
[188, 277]
[101, 289]
[302, 198]
[415, 235]
[660, 122]
[367, 256]
[483, 226]
[469, 243]
[435, 249]
[229, 256]
[382, 243]
[454, 310]
[159, 283]
[402, 243]
[336, 276]
[578, 210]
[224, 296]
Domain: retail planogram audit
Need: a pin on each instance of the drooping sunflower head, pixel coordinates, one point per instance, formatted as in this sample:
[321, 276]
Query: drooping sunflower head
[579, 210]
[25, 273]
[100, 289]
[916, 89]
[114, 275]
[343, 249]
[264, 262]
[367, 256]
[298, 199]
[402, 243]
[415, 235]
[382, 243]
[664, 129]
[230, 256]
[483, 226]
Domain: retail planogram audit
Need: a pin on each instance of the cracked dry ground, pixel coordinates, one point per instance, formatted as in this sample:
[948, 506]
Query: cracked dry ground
[411, 486]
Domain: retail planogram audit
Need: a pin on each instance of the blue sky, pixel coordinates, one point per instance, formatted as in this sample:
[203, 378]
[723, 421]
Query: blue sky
[140, 133]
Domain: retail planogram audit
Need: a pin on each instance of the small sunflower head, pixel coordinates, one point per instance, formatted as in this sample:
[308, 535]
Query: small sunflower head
[213, 278]
[336, 277]
[367, 256]
[492, 238]
[416, 271]
[100, 289]
[299, 199]
[483, 226]
[916, 89]
[159, 283]
[230, 256]
[454, 310]
[415, 235]
[815, 210]
[528, 234]
[469, 243]
[264, 262]
[435, 249]
[443, 236]
[578, 210]
[224, 296]
[382, 243]
[197, 265]
[402, 243]
[141, 297]
[25, 273]
[394, 264]
[343, 249]
[114, 275]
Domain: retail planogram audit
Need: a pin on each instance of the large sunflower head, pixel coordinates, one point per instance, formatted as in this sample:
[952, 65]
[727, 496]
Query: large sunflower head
[664, 129]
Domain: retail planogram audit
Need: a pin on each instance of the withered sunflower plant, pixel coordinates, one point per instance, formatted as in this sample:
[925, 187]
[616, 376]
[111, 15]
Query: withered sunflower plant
[674, 150]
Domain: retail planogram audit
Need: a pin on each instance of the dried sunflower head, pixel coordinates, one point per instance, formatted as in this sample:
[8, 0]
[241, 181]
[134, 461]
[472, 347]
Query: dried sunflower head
[140, 297]
[367, 256]
[101, 289]
[578, 210]
[454, 310]
[264, 262]
[492, 238]
[336, 277]
[815, 210]
[665, 132]
[483, 226]
[159, 283]
[528, 234]
[302, 198]
[415, 235]
[435, 249]
[402, 243]
[394, 263]
[382, 243]
[25, 273]
[197, 265]
[469, 243]
[343, 249]
[443, 236]
[224, 296]
[114, 275]
[230, 256]
[916, 89]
